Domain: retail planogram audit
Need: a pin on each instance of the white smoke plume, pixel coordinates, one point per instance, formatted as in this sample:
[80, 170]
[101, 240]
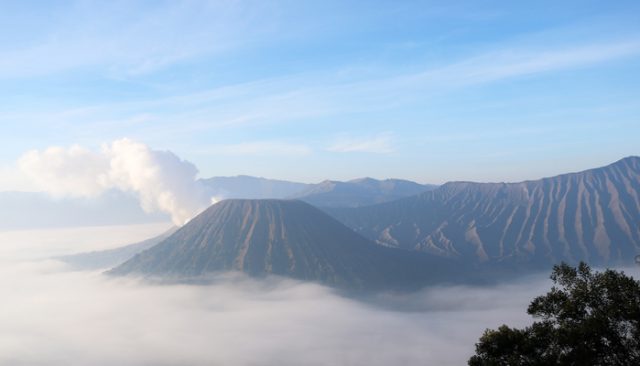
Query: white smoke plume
[161, 180]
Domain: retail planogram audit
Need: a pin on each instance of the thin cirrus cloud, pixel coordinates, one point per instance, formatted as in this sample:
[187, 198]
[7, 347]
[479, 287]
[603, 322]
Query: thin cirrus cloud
[517, 62]
[377, 144]
[282, 99]
[492, 66]
[309, 95]
[258, 148]
[105, 36]
[315, 101]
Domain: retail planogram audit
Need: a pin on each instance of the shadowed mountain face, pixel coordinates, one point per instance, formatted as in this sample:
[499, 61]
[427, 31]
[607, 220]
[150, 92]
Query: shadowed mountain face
[288, 238]
[593, 215]
[360, 192]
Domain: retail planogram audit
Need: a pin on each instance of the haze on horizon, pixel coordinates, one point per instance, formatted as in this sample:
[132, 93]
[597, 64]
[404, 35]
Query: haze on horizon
[430, 92]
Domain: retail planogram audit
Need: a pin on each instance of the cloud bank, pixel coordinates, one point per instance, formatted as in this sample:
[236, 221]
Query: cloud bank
[54, 316]
[161, 180]
[87, 319]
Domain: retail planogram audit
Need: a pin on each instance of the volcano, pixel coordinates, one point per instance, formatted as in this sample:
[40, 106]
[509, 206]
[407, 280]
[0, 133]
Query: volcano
[287, 238]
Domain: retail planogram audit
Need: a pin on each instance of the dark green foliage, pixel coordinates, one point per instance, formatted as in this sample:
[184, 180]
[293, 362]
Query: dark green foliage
[587, 318]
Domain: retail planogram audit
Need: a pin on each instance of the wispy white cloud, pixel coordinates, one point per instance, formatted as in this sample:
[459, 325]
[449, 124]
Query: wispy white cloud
[106, 36]
[312, 95]
[525, 60]
[259, 148]
[298, 97]
[377, 144]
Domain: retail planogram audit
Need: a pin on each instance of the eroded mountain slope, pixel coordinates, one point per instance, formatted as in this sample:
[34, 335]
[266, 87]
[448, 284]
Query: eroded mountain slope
[592, 215]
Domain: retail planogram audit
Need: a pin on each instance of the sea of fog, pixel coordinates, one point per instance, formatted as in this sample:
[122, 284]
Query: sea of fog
[52, 315]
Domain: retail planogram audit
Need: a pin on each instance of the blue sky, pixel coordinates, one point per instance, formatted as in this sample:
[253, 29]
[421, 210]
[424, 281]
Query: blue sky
[302, 90]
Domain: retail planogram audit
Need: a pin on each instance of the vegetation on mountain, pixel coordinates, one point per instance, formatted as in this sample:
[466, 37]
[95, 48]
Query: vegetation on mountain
[587, 318]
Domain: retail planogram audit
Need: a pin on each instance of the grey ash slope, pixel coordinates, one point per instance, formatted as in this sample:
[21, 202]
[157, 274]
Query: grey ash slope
[592, 215]
[360, 192]
[288, 238]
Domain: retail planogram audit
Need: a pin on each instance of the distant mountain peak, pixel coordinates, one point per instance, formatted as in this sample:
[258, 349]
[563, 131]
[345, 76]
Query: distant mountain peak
[363, 180]
[629, 160]
[328, 193]
[359, 192]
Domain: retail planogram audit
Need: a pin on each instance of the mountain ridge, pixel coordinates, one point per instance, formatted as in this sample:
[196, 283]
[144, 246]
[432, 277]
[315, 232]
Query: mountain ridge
[359, 192]
[590, 215]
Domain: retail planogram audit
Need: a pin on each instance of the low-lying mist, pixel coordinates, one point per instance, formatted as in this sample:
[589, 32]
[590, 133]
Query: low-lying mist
[52, 315]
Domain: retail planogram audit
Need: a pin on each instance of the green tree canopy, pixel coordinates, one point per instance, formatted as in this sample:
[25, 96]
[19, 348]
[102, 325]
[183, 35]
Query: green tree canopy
[587, 318]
